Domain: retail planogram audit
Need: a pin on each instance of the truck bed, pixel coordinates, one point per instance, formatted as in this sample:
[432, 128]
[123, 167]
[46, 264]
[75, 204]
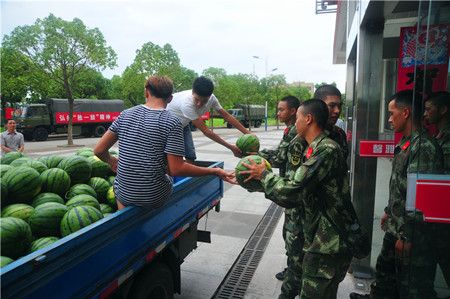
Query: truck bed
[86, 263]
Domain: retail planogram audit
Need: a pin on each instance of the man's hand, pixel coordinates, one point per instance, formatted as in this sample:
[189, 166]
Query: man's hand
[255, 170]
[113, 163]
[384, 218]
[402, 248]
[236, 151]
[227, 176]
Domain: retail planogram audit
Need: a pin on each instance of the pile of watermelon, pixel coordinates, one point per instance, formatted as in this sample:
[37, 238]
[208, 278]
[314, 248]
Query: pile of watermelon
[51, 197]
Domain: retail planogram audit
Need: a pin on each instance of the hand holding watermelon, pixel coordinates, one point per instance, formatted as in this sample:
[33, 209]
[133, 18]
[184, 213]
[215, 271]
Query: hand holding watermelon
[245, 169]
[255, 170]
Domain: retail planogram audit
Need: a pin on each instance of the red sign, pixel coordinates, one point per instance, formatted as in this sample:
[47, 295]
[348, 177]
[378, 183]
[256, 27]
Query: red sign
[86, 117]
[376, 148]
[433, 200]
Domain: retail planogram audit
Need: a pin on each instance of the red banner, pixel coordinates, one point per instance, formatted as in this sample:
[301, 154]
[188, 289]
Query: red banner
[86, 117]
[376, 148]
[433, 200]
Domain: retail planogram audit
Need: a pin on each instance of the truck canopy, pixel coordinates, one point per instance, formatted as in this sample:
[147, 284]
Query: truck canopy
[84, 105]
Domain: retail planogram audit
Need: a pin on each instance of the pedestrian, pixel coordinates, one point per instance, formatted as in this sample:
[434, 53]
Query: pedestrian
[11, 140]
[320, 187]
[292, 229]
[151, 150]
[189, 105]
[405, 267]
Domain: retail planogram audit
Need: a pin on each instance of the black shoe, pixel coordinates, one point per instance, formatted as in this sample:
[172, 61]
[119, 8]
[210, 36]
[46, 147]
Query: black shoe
[359, 296]
[280, 275]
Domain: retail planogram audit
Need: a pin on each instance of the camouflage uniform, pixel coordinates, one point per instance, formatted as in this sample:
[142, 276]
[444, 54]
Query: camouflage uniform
[292, 229]
[318, 186]
[441, 232]
[339, 136]
[408, 277]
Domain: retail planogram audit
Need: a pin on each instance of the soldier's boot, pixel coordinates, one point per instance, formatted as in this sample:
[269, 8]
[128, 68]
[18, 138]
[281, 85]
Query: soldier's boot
[281, 275]
[359, 296]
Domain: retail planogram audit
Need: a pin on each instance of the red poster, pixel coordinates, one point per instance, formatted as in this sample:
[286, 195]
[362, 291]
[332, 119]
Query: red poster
[86, 117]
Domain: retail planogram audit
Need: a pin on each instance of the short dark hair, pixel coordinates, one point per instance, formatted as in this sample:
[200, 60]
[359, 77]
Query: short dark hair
[292, 102]
[440, 99]
[160, 87]
[407, 98]
[203, 86]
[326, 90]
[318, 109]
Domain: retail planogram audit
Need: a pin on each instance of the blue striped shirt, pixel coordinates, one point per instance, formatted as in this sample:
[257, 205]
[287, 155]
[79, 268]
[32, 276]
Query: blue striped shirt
[145, 137]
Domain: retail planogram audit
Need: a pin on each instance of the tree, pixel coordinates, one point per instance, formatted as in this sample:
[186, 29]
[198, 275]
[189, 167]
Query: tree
[14, 76]
[62, 51]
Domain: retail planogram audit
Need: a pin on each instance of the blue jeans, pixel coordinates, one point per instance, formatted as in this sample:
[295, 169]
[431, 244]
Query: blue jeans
[189, 148]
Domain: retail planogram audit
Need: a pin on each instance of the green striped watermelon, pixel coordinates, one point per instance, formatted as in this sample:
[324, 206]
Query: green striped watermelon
[86, 154]
[79, 217]
[3, 192]
[46, 219]
[85, 149]
[39, 166]
[77, 167]
[47, 197]
[4, 260]
[55, 180]
[100, 186]
[15, 237]
[51, 161]
[111, 198]
[105, 208]
[79, 189]
[83, 200]
[23, 184]
[248, 143]
[9, 157]
[4, 168]
[18, 210]
[252, 185]
[20, 161]
[42, 243]
[99, 168]
[111, 180]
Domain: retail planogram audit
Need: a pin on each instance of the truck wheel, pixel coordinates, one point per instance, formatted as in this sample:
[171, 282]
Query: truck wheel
[40, 134]
[154, 282]
[257, 124]
[99, 131]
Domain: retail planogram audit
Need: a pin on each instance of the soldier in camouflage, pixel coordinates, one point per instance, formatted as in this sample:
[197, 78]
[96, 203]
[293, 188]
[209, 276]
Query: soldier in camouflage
[287, 109]
[437, 112]
[319, 187]
[406, 264]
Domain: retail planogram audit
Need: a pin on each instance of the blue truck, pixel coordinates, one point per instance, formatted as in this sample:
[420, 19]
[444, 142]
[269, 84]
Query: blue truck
[133, 253]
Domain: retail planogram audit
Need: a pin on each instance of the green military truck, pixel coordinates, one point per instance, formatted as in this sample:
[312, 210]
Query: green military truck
[90, 117]
[248, 114]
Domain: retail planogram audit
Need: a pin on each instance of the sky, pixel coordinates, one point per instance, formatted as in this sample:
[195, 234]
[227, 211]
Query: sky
[286, 35]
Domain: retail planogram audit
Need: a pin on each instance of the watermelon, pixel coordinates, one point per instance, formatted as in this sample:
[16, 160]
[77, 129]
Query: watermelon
[4, 192]
[77, 167]
[4, 260]
[252, 185]
[51, 161]
[99, 168]
[15, 236]
[46, 197]
[18, 210]
[105, 208]
[85, 149]
[79, 217]
[4, 168]
[20, 161]
[79, 189]
[46, 219]
[111, 180]
[9, 157]
[55, 180]
[83, 200]
[100, 186]
[86, 154]
[248, 143]
[23, 184]
[42, 243]
[39, 166]
[111, 198]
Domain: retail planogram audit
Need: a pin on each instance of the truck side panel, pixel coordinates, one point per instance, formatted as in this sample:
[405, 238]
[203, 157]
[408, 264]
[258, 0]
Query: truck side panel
[83, 264]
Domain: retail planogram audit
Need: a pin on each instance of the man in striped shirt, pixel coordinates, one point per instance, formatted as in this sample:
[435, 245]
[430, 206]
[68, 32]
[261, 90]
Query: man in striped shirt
[151, 150]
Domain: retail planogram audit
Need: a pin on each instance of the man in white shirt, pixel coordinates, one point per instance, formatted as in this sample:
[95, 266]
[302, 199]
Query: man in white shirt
[11, 140]
[189, 105]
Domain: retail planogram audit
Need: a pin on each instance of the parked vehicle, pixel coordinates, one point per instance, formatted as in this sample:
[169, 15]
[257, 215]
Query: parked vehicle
[90, 117]
[132, 253]
[248, 114]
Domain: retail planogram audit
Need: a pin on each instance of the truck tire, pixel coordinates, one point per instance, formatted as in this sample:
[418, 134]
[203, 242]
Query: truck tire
[40, 134]
[257, 124]
[99, 131]
[154, 282]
